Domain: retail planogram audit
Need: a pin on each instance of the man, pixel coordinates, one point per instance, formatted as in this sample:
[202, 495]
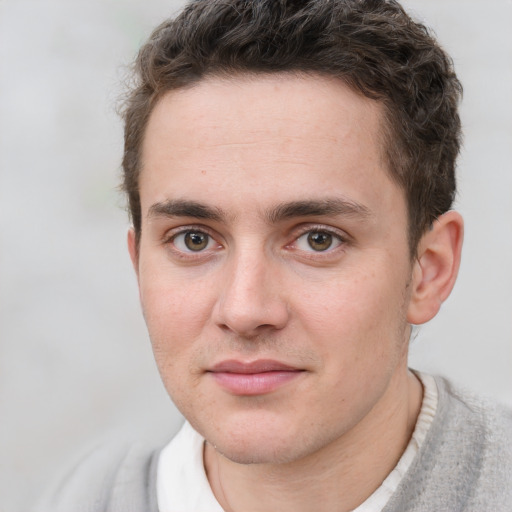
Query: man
[289, 167]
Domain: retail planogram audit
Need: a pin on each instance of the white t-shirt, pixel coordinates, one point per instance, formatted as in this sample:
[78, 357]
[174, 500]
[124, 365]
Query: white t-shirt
[182, 485]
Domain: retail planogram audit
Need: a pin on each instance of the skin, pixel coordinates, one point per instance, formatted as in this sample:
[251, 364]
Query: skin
[229, 160]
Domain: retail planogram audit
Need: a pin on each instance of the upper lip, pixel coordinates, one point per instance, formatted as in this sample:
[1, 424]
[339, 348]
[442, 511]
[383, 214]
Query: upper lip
[258, 366]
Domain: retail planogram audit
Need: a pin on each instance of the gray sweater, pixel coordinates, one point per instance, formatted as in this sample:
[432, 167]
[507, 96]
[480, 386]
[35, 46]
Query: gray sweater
[464, 464]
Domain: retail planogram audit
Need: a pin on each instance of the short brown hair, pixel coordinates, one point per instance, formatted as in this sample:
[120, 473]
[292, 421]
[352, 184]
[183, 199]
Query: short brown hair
[371, 45]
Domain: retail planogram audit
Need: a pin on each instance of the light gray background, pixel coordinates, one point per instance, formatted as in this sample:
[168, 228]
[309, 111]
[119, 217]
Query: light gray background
[75, 360]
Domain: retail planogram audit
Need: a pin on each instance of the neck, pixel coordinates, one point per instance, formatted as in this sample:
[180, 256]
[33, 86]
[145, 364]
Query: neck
[340, 476]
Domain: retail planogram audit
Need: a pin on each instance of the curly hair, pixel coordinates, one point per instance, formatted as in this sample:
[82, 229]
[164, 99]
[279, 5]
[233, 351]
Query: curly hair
[373, 46]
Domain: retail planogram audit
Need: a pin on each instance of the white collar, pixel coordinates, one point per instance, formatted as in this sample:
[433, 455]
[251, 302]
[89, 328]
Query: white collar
[182, 485]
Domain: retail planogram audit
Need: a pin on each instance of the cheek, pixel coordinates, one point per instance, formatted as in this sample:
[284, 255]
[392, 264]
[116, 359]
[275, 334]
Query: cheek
[356, 309]
[175, 320]
[175, 311]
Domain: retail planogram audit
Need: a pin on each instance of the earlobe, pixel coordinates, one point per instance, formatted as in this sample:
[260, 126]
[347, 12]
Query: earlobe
[436, 267]
[133, 249]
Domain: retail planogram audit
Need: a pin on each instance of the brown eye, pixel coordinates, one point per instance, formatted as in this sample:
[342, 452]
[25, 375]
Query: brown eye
[319, 240]
[196, 241]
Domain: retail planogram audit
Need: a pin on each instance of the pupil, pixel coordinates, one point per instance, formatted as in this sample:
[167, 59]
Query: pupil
[319, 241]
[196, 241]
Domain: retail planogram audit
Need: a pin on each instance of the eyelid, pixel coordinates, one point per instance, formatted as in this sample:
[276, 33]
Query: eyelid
[307, 228]
[295, 233]
[171, 234]
[304, 229]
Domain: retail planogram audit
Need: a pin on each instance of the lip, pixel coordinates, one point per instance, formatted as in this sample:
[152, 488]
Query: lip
[253, 378]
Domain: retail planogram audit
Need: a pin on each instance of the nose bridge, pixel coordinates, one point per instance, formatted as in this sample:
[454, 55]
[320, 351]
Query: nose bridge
[250, 300]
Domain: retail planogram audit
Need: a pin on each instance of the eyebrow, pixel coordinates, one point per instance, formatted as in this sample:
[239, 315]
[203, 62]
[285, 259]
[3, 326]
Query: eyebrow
[283, 211]
[183, 208]
[312, 208]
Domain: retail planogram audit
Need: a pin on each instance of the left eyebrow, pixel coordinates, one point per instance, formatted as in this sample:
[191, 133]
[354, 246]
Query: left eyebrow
[314, 208]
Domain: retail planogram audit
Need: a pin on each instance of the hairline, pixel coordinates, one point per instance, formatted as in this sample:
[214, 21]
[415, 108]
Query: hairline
[385, 133]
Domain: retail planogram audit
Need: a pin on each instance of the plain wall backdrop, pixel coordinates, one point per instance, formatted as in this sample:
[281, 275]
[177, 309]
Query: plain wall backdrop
[75, 359]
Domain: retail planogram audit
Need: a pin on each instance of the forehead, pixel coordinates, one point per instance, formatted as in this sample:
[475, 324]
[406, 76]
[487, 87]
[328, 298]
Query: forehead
[266, 136]
[284, 105]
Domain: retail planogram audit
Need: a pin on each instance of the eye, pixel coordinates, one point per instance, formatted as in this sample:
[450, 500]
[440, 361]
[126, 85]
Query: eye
[318, 241]
[192, 241]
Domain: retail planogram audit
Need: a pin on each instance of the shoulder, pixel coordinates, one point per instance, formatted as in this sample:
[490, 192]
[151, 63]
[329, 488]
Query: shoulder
[465, 462]
[481, 407]
[483, 421]
[110, 476]
[480, 427]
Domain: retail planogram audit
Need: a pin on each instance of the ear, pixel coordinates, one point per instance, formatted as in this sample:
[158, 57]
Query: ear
[436, 267]
[133, 249]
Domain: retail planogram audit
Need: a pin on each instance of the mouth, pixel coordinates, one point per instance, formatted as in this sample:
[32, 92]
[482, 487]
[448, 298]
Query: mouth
[253, 378]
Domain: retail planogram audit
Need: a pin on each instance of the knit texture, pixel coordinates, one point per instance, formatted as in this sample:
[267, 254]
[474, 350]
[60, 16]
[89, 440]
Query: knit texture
[465, 463]
[113, 478]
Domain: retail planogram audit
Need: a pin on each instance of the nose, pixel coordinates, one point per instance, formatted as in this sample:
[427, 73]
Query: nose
[251, 300]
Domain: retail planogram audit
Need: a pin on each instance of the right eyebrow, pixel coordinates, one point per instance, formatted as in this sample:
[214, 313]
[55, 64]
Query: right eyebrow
[322, 207]
[182, 208]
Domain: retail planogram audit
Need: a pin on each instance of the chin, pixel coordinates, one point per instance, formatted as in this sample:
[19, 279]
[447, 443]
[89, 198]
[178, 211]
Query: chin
[243, 442]
[277, 443]
[264, 453]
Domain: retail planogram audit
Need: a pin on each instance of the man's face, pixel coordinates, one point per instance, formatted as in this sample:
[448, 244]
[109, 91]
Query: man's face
[273, 263]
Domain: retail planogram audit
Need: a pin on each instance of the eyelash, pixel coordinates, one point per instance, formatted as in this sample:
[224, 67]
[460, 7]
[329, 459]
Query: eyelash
[338, 236]
[170, 237]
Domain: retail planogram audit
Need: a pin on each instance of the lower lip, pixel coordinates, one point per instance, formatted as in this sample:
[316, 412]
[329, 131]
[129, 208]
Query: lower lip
[251, 384]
